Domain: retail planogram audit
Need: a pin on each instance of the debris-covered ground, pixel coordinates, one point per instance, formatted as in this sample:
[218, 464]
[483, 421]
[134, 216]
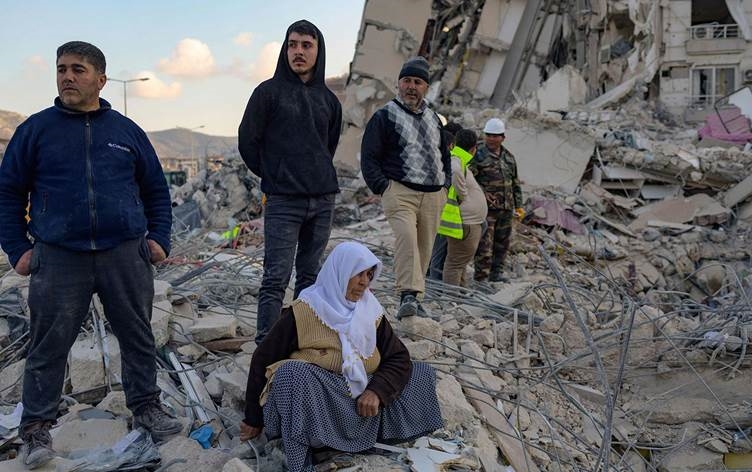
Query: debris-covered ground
[620, 342]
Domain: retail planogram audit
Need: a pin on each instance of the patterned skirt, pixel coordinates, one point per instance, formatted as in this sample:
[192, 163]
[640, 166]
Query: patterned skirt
[311, 407]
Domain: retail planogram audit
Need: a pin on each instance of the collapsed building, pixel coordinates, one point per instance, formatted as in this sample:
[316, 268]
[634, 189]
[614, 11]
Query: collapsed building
[621, 343]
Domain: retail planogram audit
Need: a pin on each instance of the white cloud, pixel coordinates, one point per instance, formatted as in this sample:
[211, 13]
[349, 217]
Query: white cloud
[243, 39]
[190, 58]
[154, 87]
[36, 65]
[260, 69]
[266, 62]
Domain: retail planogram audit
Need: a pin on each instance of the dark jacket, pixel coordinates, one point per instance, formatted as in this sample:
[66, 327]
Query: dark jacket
[406, 146]
[290, 131]
[94, 182]
[387, 382]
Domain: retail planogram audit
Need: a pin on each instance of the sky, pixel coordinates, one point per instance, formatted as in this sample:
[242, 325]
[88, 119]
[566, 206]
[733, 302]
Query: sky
[203, 58]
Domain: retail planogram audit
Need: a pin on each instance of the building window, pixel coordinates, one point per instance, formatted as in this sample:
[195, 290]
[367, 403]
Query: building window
[711, 83]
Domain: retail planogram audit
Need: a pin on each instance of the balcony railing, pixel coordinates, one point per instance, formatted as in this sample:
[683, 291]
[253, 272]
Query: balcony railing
[713, 31]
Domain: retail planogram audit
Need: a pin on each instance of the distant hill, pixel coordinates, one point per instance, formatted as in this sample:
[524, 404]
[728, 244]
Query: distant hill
[170, 143]
[177, 142]
[9, 121]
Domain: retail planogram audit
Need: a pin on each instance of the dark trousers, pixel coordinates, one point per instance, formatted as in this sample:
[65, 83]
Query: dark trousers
[60, 290]
[295, 228]
[494, 243]
[438, 256]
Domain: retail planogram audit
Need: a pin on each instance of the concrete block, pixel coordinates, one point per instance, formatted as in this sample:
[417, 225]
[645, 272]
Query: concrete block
[421, 350]
[236, 465]
[57, 464]
[214, 327]
[78, 435]
[162, 290]
[233, 385]
[11, 382]
[455, 409]
[183, 317]
[86, 364]
[160, 322]
[115, 403]
[417, 328]
[200, 459]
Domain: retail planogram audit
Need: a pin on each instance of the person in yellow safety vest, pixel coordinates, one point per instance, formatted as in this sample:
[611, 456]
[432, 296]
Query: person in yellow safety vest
[465, 211]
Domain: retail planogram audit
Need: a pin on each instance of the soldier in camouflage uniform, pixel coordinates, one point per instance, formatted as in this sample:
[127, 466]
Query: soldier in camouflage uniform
[495, 170]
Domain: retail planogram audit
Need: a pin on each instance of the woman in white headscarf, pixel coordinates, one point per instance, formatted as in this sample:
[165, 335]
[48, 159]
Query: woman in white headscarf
[332, 373]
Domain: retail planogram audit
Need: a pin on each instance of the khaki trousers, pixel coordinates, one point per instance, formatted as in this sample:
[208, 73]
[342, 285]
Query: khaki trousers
[414, 218]
[459, 254]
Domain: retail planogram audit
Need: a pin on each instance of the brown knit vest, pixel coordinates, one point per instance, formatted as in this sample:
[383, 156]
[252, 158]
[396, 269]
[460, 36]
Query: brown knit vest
[317, 344]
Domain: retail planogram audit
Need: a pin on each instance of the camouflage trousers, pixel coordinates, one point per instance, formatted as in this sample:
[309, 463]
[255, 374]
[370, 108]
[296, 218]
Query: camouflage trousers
[494, 244]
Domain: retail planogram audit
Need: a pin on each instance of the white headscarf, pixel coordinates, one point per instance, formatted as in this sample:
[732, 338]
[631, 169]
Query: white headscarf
[355, 322]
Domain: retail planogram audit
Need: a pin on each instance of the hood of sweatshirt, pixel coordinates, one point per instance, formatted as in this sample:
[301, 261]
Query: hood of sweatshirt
[284, 71]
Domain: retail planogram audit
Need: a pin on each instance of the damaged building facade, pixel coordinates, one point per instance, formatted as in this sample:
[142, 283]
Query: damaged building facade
[687, 54]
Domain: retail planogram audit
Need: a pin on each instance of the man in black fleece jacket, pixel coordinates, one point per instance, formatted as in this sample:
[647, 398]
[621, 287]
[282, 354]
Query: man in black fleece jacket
[288, 136]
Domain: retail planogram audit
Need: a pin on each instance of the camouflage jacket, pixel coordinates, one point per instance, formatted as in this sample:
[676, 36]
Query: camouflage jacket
[497, 175]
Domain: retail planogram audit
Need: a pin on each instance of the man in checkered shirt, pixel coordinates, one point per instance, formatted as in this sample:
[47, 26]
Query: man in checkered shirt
[404, 159]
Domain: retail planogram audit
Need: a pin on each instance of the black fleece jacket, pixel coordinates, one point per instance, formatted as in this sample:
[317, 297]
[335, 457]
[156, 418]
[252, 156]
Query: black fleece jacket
[291, 129]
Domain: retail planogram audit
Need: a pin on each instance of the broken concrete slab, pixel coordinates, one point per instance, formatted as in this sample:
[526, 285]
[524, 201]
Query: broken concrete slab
[161, 314]
[200, 459]
[79, 435]
[738, 193]
[699, 209]
[691, 458]
[455, 410]
[115, 403]
[184, 316]
[56, 465]
[213, 327]
[507, 438]
[422, 350]
[86, 364]
[562, 91]
[11, 382]
[233, 385]
[564, 155]
[418, 327]
[162, 290]
[236, 465]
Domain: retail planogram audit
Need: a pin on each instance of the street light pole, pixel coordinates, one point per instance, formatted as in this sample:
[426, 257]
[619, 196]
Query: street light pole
[193, 158]
[125, 89]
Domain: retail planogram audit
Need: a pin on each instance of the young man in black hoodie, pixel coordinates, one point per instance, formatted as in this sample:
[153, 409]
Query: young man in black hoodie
[288, 136]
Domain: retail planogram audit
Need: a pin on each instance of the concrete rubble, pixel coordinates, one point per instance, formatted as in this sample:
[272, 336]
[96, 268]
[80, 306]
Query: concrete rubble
[621, 341]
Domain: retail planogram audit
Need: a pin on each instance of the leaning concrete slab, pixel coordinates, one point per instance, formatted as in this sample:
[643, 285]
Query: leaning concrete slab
[548, 157]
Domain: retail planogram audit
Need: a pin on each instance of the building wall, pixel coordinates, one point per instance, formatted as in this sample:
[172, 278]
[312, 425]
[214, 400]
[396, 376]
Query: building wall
[676, 74]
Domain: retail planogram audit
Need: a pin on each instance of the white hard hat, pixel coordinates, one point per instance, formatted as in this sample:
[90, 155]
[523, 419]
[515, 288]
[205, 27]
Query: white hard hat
[494, 126]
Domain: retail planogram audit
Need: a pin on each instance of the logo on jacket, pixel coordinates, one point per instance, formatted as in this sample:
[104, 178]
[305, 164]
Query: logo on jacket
[118, 146]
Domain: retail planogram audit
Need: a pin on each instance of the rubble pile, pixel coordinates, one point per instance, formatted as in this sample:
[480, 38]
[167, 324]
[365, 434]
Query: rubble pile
[224, 197]
[637, 342]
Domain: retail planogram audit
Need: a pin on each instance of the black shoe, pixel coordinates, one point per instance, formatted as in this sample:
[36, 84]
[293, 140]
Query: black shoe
[498, 276]
[157, 421]
[37, 445]
[408, 307]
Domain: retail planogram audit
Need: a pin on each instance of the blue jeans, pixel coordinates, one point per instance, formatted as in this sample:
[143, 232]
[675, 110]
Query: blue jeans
[60, 290]
[295, 228]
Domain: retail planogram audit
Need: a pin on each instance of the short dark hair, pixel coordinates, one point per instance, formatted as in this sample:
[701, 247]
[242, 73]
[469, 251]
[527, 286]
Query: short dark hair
[465, 139]
[88, 51]
[452, 127]
[303, 27]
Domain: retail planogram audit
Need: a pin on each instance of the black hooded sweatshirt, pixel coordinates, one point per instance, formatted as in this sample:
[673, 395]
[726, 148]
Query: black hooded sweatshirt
[290, 130]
